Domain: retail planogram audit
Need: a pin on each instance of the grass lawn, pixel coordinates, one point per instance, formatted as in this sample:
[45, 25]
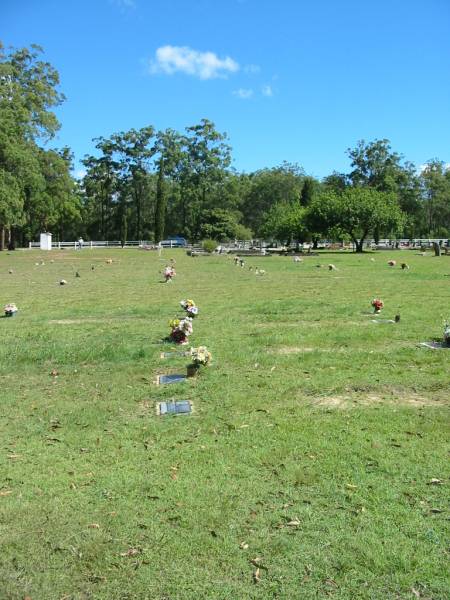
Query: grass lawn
[315, 464]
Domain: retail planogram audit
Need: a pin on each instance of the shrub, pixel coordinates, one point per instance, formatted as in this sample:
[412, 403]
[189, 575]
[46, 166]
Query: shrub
[209, 245]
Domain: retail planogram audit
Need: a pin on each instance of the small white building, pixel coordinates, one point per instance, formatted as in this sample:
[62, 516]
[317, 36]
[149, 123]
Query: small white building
[46, 241]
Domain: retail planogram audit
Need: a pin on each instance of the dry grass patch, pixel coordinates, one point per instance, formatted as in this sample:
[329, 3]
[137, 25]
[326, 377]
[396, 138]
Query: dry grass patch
[396, 398]
[292, 350]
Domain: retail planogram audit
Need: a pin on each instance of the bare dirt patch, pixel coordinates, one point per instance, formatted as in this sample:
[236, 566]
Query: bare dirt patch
[394, 398]
[292, 350]
[92, 320]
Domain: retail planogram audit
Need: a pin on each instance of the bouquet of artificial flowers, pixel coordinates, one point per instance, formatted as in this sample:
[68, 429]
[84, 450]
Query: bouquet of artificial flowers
[200, 356]
[377, 305]
[10, 309]
[181, 330]
[189, 307]
[446, 333]
[169, 273]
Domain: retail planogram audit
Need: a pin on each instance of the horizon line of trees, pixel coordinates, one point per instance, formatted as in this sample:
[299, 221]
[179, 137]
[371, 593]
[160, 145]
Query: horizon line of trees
[145, 184]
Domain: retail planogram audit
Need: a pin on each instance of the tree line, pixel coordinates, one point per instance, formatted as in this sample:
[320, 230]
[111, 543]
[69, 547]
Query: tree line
[146, 184]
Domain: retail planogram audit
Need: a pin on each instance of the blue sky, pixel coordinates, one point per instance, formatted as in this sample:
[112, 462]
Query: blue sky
[287, 80]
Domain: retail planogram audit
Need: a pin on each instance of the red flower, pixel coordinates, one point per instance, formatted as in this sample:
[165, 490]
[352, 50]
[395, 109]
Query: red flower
[178, 336]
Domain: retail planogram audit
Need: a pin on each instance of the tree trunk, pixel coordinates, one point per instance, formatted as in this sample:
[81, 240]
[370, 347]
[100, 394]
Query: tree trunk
[160, 208]
[2, 238]
[359, 245]
[437, 249]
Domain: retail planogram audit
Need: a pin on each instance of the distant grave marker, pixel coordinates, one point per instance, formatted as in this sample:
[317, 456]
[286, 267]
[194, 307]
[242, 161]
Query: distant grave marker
[435, 345]
[380, 321]
[168, 379]
[174, 354]
[179, 407]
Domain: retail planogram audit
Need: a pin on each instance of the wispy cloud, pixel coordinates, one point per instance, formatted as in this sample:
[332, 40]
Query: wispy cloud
[80, 173]
[182, 59]
[252, 69]
[243, 93]
[267, 90]
[124, 4]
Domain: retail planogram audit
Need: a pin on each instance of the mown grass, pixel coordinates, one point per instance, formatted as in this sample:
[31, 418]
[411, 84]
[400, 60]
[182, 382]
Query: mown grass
[315, 438]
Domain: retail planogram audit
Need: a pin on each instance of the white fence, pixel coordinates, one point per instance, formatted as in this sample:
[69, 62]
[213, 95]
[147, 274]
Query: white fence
[94, 244]
[242, 244]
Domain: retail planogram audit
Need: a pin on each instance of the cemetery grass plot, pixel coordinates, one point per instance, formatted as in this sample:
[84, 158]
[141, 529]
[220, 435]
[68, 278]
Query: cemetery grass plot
[294, 450]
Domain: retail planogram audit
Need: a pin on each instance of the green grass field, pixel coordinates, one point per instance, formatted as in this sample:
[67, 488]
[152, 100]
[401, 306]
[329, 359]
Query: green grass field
[315, 464]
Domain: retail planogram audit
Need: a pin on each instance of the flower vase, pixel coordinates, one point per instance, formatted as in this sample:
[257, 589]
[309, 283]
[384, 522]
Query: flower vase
[192, 370]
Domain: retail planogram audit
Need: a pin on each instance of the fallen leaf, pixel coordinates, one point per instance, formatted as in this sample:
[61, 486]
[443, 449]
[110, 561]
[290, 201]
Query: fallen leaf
[256, 562]
[54, 373]
[243, 545]
[5, 492]
[293, 523]
[14, 456]
[435, 481]
[350, 486]
[415, 592]
[130, 552]
[436, 510]
[272, 369]
[257, 576]
[94, 526]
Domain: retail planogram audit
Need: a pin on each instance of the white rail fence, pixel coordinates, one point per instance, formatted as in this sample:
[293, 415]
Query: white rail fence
[101, 244]
[240, 244]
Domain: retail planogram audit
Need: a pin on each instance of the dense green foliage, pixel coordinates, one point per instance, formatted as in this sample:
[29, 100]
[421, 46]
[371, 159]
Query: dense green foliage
[145, 184]
[356, 213]
[314, 442]
[36, 189]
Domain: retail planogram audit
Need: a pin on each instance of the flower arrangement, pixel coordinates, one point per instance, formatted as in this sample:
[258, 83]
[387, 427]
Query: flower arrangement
[181, 330]
[189, 307]
[10, 309]
[377, 305]
[169, 273]
[201, 356]
[447, 333]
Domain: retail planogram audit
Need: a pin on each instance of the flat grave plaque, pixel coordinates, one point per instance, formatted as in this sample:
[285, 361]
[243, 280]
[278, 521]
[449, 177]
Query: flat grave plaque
[179, 407]
[381, 321]
[435, 345]
[168, 379]
[174, 354]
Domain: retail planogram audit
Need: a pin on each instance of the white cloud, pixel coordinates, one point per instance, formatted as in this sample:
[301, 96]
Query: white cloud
[267, 90]
[252, 69]
[79, 174]
[243, 93]
[204, 65]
